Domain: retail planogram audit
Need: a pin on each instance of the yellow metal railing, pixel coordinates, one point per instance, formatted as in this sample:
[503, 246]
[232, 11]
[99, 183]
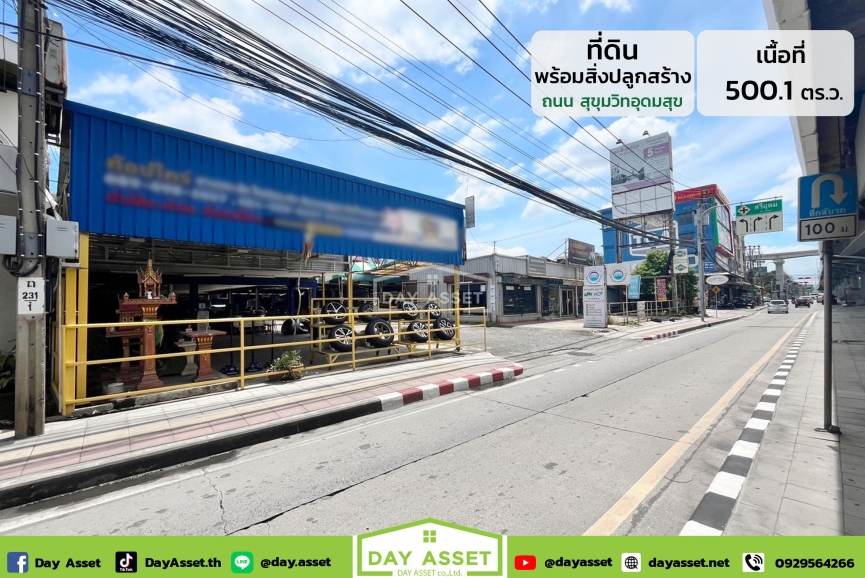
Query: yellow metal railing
[74, 363]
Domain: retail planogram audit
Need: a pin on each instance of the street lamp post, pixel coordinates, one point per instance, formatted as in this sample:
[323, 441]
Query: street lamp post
[700, 214]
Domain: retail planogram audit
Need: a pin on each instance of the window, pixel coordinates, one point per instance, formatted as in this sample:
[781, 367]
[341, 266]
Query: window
[686, 236]
[519, 299]
[685, 219]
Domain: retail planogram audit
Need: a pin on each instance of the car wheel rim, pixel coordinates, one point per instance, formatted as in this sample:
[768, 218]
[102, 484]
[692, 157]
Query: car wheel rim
[343, 335]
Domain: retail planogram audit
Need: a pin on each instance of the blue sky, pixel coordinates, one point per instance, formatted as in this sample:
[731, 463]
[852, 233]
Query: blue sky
[748, 157]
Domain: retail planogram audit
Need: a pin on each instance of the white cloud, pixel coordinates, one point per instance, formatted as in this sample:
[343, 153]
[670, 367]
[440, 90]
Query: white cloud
[477, 249]
[391, 27]
[536, 210]
[158, 96]
[787, 187]
[542, 126]
[617, 5]
[487, 196]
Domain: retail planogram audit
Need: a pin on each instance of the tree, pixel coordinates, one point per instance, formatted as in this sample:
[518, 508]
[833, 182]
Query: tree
[655, 265]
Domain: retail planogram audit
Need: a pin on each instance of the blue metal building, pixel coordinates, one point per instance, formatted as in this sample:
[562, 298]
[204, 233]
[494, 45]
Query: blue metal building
[138, 179]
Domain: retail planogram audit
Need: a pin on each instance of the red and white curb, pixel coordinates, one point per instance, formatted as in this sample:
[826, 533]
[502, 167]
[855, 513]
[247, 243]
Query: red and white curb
[672, 333]
[398, 399]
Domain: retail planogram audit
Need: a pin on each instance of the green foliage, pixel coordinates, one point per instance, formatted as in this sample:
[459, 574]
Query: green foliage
[288, 361]
[7, 370]
[655, 265]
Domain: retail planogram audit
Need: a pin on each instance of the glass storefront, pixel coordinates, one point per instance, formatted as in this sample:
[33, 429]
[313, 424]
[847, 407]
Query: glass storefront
[519, 299]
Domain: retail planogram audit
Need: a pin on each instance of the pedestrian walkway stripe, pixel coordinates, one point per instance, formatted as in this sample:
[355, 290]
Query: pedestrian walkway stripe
[712, 514]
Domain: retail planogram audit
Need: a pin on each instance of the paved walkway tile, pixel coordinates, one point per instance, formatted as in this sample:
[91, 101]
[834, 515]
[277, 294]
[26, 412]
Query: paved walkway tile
[84, 440]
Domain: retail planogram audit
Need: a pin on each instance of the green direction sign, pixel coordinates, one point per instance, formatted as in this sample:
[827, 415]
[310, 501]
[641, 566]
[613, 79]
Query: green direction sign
[760, 217]
[759, 208]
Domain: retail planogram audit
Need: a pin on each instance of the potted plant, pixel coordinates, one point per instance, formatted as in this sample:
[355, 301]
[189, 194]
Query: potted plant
[286, 367]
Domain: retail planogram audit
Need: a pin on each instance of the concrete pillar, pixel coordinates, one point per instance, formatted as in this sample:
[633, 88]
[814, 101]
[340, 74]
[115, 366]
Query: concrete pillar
[780, 282]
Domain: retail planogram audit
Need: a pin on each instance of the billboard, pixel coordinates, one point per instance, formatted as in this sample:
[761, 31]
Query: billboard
[619, 274]
[641, 176]
[595, 307]
[580, 253]
[139, 179]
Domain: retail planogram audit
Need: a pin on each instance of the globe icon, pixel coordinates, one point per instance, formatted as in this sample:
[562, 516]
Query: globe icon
[631, 563]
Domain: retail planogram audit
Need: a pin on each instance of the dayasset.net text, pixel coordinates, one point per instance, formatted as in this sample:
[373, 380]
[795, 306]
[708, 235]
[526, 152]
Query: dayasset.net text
[698, 563]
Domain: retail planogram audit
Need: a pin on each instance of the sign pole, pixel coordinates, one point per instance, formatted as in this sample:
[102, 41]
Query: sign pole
[827, 338]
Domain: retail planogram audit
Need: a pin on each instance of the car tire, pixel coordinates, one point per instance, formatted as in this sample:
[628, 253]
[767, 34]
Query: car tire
[288, 326]
[443, 329]
[410, 311]
[419, 332]
[344, 334]
[367, 307]
[336, 309]
[376, 333]
[434, 311]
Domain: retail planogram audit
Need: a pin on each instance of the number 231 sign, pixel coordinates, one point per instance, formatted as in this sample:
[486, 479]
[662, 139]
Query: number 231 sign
[31, 296]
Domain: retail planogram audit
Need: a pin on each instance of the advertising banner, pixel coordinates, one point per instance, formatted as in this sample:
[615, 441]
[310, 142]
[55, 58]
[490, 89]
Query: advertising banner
[634, 287]
[595, 307]
[680, 261]
[661, 289]
[580, 253]
[594, 276]
[537, 266]
[619, 274]
[431, 547]
[640, 176]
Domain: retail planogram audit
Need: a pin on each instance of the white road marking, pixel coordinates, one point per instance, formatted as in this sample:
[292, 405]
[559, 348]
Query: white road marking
[561, 369]
[744, 449]
[765, 406]
[727, 484]
[693, 528]
[772, 392]
[756, 423]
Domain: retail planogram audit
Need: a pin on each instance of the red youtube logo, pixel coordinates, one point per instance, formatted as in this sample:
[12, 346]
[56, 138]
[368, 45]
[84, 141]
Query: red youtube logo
[525, 563]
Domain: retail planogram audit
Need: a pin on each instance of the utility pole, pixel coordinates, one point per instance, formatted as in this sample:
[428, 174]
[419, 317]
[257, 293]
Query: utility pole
[701, 277]
[673, 278]
[30, 169]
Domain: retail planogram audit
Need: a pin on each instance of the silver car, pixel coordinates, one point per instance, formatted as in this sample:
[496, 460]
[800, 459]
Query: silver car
[778, 306]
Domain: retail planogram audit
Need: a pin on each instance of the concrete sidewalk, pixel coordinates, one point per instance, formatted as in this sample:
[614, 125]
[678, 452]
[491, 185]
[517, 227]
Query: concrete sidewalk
[691, 323]
[84, 452]
[803, 481]
[681, 325]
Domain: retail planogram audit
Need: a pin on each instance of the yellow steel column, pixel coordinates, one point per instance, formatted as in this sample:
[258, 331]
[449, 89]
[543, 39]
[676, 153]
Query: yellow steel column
[69, 341]
[459, 298]
[83, 297]
[350, 308]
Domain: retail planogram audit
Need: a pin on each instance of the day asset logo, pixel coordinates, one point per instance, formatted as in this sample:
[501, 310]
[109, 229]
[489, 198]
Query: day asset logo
[594, 277]
[428, 545]
[618, 274]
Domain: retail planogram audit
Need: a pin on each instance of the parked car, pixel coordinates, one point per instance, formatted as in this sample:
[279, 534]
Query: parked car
[803, 301]
[819, 298]
[743, 301]
[778, 306]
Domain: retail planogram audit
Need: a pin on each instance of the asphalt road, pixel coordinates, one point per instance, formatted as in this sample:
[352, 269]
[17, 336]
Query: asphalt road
[551, 453]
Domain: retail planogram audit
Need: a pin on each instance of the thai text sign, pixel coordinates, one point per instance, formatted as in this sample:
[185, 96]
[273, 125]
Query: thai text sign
[612, 73]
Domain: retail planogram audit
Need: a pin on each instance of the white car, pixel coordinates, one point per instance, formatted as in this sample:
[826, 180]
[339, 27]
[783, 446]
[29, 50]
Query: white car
[778, 306]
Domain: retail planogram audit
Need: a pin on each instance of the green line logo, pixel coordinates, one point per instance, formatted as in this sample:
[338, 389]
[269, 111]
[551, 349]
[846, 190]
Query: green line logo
[242, 563]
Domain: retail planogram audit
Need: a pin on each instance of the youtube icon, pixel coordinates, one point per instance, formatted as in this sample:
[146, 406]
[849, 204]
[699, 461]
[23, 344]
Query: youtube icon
[525, 563]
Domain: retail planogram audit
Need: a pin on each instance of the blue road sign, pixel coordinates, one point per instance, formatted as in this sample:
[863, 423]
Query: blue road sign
[828, 207]
[827, 195]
